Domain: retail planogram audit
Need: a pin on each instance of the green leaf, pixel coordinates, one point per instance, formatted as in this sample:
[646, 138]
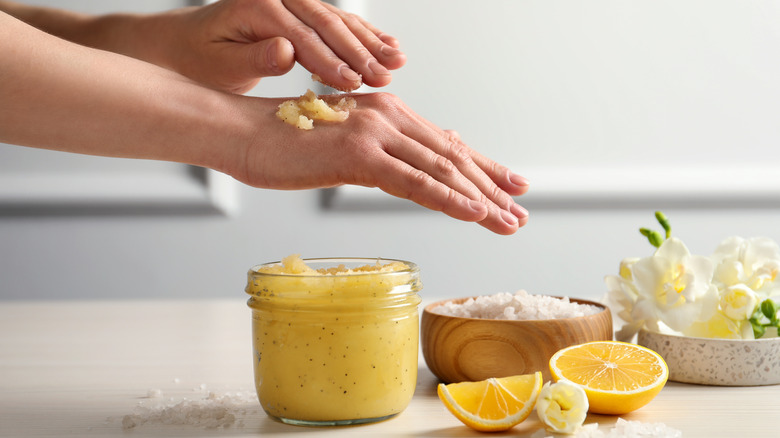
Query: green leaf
[758, 329]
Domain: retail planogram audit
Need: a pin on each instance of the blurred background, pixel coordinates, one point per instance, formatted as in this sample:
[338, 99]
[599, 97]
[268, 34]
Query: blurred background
[612, 109]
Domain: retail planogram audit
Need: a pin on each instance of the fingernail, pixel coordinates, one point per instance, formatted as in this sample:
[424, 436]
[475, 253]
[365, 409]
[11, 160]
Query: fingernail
[517, 179]
[477, 206]
[508, 217]
[518, 211]
[377, 68]
[279, 56]
[349, 74]
[389, 50]
[388, 39]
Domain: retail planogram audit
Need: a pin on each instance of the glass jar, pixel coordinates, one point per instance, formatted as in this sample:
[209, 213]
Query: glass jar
[335, 348]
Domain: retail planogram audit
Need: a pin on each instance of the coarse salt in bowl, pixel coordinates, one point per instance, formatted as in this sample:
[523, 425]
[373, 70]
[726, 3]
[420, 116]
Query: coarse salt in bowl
[471, 339]
[518, 306]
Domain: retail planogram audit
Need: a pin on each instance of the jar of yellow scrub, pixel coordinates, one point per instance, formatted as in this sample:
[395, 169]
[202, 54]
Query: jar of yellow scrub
[335, 340]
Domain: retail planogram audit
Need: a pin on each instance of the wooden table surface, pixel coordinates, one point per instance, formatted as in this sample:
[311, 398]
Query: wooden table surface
[77, 368]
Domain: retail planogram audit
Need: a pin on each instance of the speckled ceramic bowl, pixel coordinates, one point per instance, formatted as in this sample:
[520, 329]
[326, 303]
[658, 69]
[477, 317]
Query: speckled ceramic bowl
[721, 362]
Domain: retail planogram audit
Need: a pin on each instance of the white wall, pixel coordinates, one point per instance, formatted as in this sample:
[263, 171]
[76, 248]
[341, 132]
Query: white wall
[612, 108]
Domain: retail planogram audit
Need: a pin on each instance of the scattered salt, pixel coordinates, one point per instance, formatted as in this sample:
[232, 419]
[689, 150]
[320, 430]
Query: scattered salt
[622, 429]
[211, 412]
[638, 429]
[518, 306]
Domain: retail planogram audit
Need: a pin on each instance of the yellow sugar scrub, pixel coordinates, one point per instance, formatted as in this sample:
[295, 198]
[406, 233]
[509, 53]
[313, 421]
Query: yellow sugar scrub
[302, 112]
[355, 85]
[335, 340]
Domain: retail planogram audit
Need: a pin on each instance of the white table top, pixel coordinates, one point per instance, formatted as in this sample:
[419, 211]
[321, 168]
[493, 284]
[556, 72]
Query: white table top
[77, 368]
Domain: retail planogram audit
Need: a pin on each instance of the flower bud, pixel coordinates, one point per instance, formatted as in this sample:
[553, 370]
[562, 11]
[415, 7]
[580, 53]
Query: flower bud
[738, 302]
[562, 406]
[769, 309]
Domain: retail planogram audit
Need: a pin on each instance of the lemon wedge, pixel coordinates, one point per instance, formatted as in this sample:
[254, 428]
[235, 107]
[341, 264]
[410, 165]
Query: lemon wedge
[494, 404]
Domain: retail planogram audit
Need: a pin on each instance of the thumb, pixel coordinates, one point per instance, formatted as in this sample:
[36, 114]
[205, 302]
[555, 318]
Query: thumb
[271, 57]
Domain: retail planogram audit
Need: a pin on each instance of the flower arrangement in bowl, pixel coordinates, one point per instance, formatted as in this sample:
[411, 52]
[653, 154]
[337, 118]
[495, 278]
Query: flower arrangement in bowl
[713, 318]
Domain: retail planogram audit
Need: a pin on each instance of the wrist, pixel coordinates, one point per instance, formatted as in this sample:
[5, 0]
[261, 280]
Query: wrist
[246, 130]
[123, 108]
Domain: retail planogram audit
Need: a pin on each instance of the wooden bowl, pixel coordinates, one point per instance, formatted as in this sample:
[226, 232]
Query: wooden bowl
[460, 349]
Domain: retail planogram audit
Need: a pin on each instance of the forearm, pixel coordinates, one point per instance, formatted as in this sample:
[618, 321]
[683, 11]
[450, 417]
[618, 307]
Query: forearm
[65, 24]
[58, 95]
[141, 36]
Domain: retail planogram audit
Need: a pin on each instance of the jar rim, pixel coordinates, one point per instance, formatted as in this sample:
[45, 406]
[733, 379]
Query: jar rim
[335, 261]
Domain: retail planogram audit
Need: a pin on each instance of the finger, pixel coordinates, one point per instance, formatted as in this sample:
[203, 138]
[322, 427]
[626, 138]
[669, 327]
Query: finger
[240, 65]
[404, 181]
[448, 143]
[438, 167]
[503, 211]
[314, 55]
[445, 172]
[499, 190]
[236, 66]
[383, 47]
[509, 181]
[270, 57]
[383, 36]
[387, 39]
[332, 31]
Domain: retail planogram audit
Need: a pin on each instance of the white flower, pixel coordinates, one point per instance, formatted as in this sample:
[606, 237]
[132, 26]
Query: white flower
[562, 406]
[738, 302]
[674, 287]
[621, 297]
[721, 326]
[676, 292]
[625, 268]
[753, 262]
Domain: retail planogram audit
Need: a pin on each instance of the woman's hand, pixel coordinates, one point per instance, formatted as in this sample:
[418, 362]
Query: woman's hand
[384, 144]
[232, 43]
[128, 108]
[229, 45]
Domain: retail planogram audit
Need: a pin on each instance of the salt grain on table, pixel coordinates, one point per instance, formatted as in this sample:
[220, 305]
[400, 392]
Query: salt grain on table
[211, 412]
[621, 429]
